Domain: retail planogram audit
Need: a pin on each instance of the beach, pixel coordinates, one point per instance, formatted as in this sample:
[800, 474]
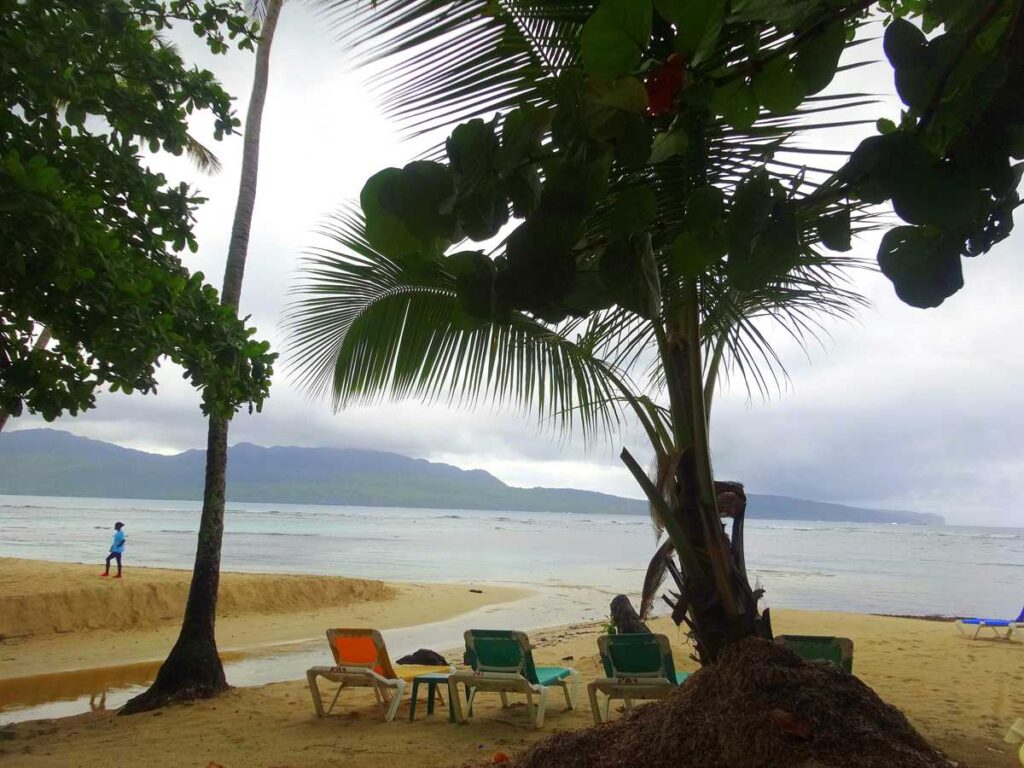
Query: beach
[961, 695]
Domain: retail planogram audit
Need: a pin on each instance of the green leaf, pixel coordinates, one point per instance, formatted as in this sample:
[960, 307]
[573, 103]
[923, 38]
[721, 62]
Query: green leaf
[622, 273]
[472, 149]
[615, 36]
[834, 231]
[751, 207]
[422, 196]
[904, 44]
[474, 278]
[778, 88]
[884, 125]
[924, 267]
[690, 256]
[669, 144]
[385, 231]
[625, 93]
[482, 209]
[785, 14]
[736, 103]
[521, 135]
[817, 59]
[698, 24]
[635, 210]
[632, 140]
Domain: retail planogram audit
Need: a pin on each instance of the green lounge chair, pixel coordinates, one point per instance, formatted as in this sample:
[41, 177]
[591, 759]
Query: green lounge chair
[638, 666]
[501, 661]
[838, 650]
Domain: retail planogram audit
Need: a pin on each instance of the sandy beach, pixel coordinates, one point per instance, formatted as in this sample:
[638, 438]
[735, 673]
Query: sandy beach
[56, 617]
[961, 695]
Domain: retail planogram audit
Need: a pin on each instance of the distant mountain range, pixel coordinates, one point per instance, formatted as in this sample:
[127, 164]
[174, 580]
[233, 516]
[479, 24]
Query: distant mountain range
[50, 462]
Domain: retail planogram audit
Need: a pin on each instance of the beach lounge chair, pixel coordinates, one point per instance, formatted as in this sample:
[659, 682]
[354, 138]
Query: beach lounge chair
[361, 660]
[638, 666]
[838, 650]
[1001, 628]
[501, 661]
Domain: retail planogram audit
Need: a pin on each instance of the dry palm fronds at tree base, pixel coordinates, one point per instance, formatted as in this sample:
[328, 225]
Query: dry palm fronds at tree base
[759, 707]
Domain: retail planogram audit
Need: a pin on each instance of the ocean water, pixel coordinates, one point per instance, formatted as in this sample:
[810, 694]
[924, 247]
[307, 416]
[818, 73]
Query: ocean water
[903, 569]
[574, 564]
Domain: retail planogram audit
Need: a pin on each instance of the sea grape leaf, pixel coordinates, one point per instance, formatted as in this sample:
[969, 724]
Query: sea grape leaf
[385, 231]
[698, 24]
[675, 142]
[904, 44]
[422, 196]
[777, 87]
[521, 134]
[817, 59]
[474, 277]
[625, 93]
[924, 267]
[735, 101]
[615, 36]
[835, 232]
[623, 277]
[481, 207]
[751, 207]
[632, 140]
[635, 209]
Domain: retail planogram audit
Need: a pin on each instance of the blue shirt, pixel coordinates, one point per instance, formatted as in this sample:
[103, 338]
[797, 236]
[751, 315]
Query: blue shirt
[118, 544]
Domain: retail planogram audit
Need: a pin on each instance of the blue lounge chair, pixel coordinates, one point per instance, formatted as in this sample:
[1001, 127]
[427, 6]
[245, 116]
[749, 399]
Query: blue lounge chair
[1006, 626]
[501, 661]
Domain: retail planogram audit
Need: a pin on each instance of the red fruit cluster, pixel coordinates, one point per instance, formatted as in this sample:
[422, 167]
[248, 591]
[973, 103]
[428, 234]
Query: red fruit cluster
[663, 84]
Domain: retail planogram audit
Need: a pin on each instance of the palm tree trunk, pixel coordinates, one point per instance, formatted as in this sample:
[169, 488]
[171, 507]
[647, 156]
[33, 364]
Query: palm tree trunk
[193, 668]
[41, 341]
[716, 597]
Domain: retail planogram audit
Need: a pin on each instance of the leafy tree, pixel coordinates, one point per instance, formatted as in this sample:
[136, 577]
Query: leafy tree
[647, 148]
[89, 232]
[193, 668]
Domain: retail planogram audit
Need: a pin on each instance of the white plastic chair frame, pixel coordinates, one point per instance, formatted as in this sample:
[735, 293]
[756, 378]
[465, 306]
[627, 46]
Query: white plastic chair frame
[506, 680]
[642, 686]
[387, 692]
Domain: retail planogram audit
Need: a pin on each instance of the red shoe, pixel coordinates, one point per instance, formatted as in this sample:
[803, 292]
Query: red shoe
[104, 575]
[118, 576]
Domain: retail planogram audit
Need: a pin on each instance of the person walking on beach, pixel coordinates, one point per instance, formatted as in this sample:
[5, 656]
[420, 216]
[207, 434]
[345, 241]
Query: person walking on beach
[116, 549]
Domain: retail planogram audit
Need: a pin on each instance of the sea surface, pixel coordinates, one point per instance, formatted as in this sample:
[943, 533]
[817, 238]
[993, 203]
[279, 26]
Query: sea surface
[573, 563]
[899, 569]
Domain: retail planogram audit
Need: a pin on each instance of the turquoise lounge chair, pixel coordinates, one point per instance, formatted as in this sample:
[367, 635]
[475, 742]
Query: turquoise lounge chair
[501, 661]
[638, 666]
[1009, 626]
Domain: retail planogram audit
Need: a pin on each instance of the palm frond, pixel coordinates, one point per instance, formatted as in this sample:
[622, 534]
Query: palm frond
[201, 156]
[438, 62]
[363, 328]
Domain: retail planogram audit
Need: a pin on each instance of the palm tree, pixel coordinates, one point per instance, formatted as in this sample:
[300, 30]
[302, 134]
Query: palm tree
[368, 325]
[193, 668]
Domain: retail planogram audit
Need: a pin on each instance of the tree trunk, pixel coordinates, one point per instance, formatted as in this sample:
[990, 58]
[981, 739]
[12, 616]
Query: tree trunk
[193, 668]
[715, 599]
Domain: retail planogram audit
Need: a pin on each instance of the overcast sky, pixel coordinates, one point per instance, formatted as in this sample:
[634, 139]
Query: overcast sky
[904, 408]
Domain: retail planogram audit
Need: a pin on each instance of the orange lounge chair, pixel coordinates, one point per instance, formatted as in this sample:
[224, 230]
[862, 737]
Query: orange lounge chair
[361, 660]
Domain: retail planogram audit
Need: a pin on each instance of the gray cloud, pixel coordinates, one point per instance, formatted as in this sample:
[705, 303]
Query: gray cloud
[905, 409]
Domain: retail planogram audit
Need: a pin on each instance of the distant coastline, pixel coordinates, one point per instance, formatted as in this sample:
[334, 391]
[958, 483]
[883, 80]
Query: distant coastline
[49, 462]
